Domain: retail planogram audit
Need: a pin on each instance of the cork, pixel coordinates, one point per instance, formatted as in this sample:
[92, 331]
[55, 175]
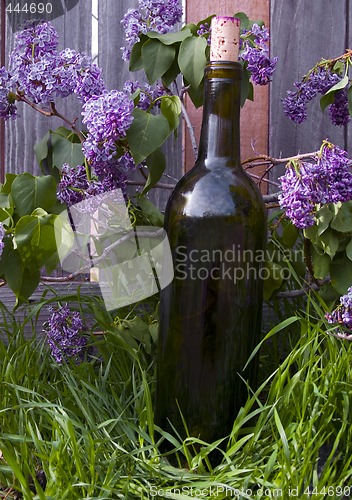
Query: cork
[225, 37]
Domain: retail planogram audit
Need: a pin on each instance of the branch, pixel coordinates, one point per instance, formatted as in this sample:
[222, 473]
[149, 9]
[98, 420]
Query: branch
[189, 127]
[53, 112]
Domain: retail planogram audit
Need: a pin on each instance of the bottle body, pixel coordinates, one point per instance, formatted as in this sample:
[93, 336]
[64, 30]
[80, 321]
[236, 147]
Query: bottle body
[210, 314]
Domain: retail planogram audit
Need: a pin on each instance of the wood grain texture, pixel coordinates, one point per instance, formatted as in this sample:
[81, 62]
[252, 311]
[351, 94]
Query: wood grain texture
[21, 135]
[302, 33]
[254, 115]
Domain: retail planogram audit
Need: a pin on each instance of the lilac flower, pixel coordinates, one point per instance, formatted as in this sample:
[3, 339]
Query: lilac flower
[76, 73]
[147, 93]
[338, 110]
[42, 73]
[342, 315]
[33, 61]
[74, 185]
[64, 334]
[7, 107]
[205, 30]
[305, 185]
[2, 235]
[255, 45]
[107, 118]
[318, 81]
[151, 15]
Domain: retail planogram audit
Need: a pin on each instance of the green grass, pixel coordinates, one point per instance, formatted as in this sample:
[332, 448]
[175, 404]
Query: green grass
[89, 428]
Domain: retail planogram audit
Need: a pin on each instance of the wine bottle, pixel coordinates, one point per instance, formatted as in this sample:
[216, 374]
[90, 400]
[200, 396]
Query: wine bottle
[210, 315]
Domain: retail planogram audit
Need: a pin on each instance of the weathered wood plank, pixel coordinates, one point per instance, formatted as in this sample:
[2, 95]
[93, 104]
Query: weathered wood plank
[254, 115]
[303, 32]
[74, 29]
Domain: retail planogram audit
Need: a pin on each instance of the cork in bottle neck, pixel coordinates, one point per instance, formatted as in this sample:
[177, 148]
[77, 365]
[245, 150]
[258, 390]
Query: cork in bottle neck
[225, 37]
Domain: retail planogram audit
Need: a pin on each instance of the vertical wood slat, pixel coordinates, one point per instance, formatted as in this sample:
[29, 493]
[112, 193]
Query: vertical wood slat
[254, 115]
[74, 30]
[303, 32]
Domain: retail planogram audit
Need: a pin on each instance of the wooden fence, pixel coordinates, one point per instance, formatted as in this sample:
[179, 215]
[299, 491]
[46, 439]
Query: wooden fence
[302, 32]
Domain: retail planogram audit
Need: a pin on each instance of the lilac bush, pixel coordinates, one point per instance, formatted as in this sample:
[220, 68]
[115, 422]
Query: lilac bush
[342, 316]
[8, 109]
[41, 73]
[255, 51]
[151, 15]
[318, 81]
[306, 184]
[65, 334]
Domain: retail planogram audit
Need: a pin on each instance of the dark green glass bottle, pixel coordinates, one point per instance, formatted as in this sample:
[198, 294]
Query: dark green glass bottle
[210, 315]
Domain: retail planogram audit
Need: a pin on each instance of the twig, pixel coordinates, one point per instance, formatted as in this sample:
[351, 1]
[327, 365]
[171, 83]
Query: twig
[160, 185]
[53, 112]
[190, 130]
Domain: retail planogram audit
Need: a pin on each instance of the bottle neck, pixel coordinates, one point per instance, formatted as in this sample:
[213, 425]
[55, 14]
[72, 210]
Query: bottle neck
[220, 132]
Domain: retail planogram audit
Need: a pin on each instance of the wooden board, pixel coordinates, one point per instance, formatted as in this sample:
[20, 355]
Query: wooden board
[254, 115]
[303, 32]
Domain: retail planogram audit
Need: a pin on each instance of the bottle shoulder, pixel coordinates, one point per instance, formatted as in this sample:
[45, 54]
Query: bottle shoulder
[218, 190]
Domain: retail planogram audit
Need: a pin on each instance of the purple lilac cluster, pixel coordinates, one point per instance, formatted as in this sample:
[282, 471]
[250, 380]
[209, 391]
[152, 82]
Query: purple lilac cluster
[205, 30]
[41, 73]
[305, 184]
[318, 81]
[74, 185]
[342, 315]
[338, 110]
[8, 108]
[151, 15]
[148, 94]
[2, 235]
[255, 51]
[76, 73]
[107, 118]
[64, 334]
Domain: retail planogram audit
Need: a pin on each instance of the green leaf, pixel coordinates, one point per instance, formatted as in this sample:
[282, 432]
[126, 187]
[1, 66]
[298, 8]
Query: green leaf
[34, 237]
[289, 234]
[192, 59]
[31, 192]
[339, 85]
[21, 280]
[6, 187]
[170, 38]
[349, 250]
[171, 74]
[341, 274]
[136, 62]
[350, 100]
[326, 100]
[154, 215]
[245, 21]
[329, 242]
[324, 216]
[196, 95]
[246, 87]
[171, 109]
[157, 58]
[41, 150]
[321, 264]
[342, 221]
[66, 151]
[274, 280]
[146, 134]
[156, 165]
